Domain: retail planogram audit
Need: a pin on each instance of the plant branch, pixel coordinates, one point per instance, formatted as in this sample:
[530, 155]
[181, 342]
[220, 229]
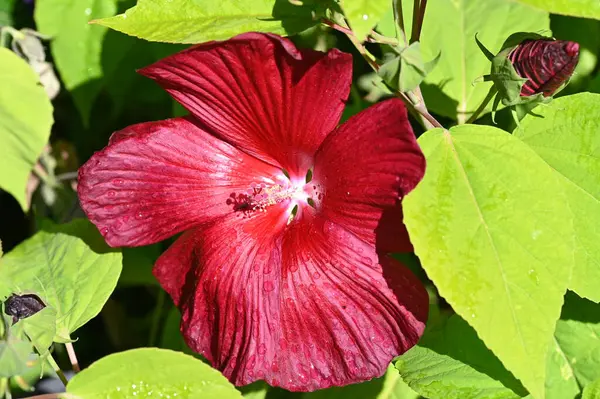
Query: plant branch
[47, 396]
[399, 19]
[72, 357]
[57, 369]
[414, 101]
[418, 22]
[415, 20]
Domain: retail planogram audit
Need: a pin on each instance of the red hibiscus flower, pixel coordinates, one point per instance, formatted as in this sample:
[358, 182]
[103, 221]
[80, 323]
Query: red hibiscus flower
[281, 273]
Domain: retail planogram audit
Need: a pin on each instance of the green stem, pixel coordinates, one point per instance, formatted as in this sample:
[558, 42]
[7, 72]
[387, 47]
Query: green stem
[57, 369]
[377, 38]
[4, 388]
[414, 100]
[8, 31]
[484, 104]
[160, 303]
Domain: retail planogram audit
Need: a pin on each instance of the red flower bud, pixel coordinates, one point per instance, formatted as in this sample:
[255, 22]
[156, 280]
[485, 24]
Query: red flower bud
[546, 63]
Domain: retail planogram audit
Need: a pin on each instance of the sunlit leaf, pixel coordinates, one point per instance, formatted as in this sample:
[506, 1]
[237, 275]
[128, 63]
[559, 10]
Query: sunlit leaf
[69, 268]
[14, 350]
[22, 136]
[565, 135]
[592, 391]
[78, 48]
[151, 371]
[578, 336]
[493, 230]
[363, 15]
[450, 361]
[40, 329]
[191, 21]
[576, 8]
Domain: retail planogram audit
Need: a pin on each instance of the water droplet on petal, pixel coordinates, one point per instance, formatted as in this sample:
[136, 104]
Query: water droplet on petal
[268, 286]
[316, 275]
[111, 193]
[262, 349]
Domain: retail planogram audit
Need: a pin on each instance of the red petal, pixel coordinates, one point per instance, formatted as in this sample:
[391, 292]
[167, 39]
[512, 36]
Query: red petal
[159, 178]
[261, 94]
[364, 167]
[304, 310]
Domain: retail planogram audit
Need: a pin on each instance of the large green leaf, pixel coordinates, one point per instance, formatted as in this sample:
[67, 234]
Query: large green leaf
[451, 362]
[566, 135]
[22, 136]
[68, 268]
[14, 349]
[150, 371]
[77, 46]
[493, 230]
[576, 8]
[195, 21]
[450, 27]
[578, 336]
[560, 380]
[363, 15]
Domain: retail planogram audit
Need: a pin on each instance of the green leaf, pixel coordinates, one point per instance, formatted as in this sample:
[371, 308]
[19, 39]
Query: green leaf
[363, 15]
[578, 336]
[390, 386]
[450, 27]
[565, 135]
[586, 32]
[408, 70]
[560, 380]
[40, 329]
[195, 21]
[14, 350]
[592, 391]
[69, 268]
[494, 214]
[576, 8]
[150, 371]
[171, 337]
[22, 136]
[6, 10]
[256, 390]
[137, 265]
[451, 362]
[77, 46]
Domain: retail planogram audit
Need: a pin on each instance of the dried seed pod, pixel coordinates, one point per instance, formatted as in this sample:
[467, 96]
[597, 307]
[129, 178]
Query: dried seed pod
[22, 306]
